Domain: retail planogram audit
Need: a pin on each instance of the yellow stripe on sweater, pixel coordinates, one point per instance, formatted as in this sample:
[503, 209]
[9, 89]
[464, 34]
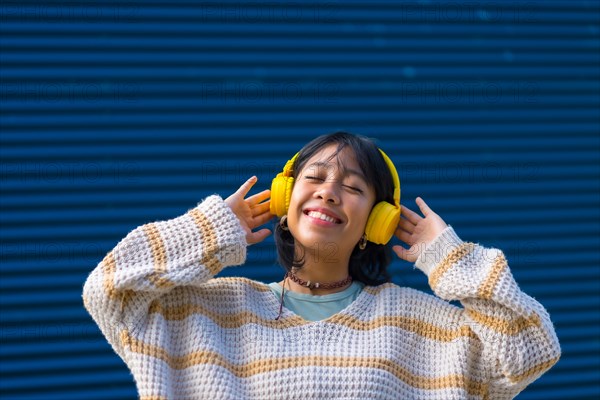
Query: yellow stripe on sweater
[533, 371]
[159, 253]
[486, 290]
[454, 257]
[109, 268]
[267, 365]
[210, 242]
[236, 320]
[505, 326]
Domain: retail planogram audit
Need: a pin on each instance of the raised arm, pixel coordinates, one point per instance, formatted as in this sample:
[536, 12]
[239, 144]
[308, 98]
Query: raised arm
[155, 258]
[519, 342]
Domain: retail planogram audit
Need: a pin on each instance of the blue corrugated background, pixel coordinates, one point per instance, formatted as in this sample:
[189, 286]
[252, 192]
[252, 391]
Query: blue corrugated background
[116, 114]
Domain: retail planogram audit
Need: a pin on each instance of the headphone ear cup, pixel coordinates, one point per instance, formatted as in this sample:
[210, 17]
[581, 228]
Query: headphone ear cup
[281, 193]
[382, 222]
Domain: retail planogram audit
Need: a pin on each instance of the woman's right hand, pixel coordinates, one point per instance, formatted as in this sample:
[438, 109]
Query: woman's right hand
[253, 211]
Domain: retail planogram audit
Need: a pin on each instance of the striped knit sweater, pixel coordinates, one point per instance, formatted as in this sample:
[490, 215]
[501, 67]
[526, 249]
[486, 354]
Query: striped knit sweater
[187, 335]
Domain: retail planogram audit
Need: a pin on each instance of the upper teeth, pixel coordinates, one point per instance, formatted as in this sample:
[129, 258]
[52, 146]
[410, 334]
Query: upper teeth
[316, 214]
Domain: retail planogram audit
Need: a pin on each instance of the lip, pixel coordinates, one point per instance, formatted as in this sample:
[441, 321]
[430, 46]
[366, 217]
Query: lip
[325, 211]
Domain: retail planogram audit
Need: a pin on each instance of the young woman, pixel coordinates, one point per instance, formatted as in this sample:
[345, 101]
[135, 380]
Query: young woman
[334, 327]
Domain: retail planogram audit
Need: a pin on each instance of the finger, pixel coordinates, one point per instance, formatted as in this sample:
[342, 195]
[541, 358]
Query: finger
[404, 236]
[406, 225]
[246, 186]
[261, 208]
[410, 215]
[261, 219]
[404, 254]
[259, 197]
[258, 236]
[423, 207]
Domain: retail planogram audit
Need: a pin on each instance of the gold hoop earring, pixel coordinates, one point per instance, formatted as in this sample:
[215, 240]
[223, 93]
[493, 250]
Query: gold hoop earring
[283, 223]
[362, 243]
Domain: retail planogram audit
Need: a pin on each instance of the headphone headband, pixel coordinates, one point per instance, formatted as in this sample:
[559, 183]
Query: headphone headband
[395, 178]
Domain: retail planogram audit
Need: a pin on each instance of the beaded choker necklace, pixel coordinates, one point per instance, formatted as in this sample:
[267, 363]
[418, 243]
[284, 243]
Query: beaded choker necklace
[317, 285]
[310, 285]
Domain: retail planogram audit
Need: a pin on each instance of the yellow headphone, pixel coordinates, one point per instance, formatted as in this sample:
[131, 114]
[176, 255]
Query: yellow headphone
[382, 221]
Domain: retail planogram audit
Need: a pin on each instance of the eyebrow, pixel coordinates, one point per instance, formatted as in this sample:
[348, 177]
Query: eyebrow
[347, 171]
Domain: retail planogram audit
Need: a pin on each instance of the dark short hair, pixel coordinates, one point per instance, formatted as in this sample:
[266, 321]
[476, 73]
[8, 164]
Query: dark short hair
[368, 266]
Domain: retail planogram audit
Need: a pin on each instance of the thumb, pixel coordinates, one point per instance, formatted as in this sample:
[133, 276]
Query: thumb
[405, 254]
[258, 236]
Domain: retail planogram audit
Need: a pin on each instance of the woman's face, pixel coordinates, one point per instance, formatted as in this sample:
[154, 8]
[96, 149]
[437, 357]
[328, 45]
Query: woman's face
[330, 204]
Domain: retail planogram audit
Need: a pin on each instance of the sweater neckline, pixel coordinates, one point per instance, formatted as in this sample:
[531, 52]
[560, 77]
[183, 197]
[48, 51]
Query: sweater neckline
[289, 317]
[320, 298]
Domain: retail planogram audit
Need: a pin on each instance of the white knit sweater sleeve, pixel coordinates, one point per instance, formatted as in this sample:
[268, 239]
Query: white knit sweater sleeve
[155, 258]
[517, 336]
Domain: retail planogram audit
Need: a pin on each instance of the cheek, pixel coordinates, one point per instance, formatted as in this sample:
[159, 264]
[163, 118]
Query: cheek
[296, 200]
[365, 210]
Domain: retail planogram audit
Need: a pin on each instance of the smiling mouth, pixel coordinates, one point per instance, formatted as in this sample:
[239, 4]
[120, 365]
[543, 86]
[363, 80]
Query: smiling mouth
[323, 217]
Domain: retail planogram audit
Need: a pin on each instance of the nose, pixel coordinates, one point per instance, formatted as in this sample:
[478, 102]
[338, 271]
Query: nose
[328, 192]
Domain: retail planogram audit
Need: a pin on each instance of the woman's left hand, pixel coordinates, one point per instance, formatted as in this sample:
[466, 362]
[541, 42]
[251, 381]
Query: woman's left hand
[416, 231]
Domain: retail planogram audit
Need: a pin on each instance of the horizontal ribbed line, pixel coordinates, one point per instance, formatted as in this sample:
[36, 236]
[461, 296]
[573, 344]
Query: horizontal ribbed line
[63, 158]
[541, 30]
[399, 147]
[328, 55]
[315, 86]
[377, 9]
[317, 125]
[562, 19]
[198, 152]
[63, 30]
[497, 71]
[224, 103]
[557, 5]
[35, 79]
[219, 110]
[38, 45]
[42, 104]
[368, 84]
[65, 367]
[46, 386]
[160, 61]
[294, 136]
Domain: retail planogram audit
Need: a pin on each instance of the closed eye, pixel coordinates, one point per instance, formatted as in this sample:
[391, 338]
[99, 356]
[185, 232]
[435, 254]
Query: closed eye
[355, 189]
[314, 178]
[352, 188]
